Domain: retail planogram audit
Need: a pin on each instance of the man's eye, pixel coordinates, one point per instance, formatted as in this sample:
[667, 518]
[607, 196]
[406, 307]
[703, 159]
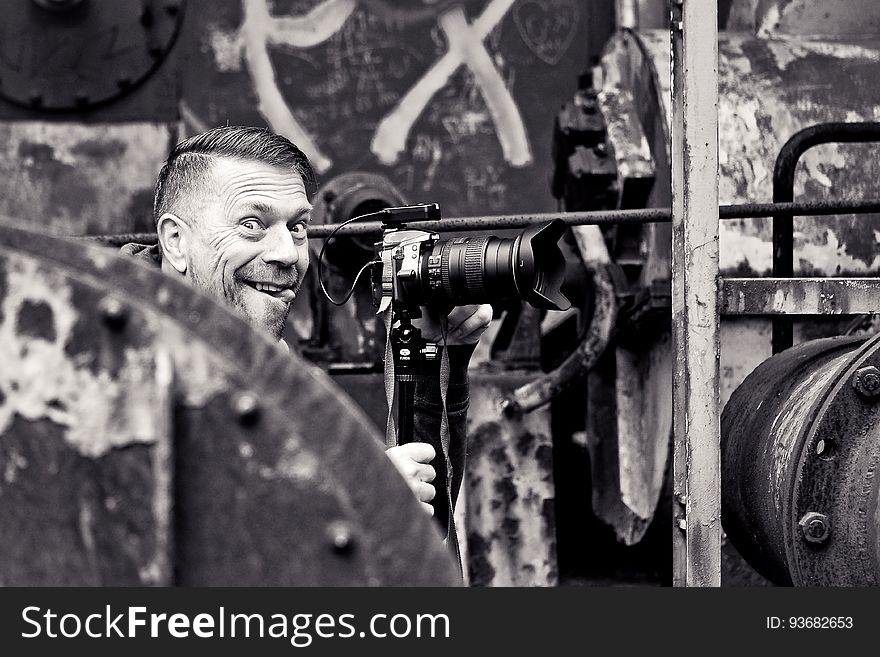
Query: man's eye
[251, 224]
[299, 230]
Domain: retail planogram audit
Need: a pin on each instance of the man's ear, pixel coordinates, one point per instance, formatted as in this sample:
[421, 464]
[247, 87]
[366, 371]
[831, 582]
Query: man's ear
[173, 235]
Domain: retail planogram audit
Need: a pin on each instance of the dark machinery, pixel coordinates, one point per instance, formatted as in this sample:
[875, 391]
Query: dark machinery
[800, 451]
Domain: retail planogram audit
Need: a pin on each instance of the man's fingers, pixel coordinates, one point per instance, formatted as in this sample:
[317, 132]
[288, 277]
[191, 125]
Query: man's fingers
[473, 325]
[459, 314]
[424, 492]
[428, 508]
[426, 473]
[418, 452]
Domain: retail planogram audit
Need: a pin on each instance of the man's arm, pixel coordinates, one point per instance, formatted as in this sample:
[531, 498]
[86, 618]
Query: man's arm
[465, 325]
[427, 421]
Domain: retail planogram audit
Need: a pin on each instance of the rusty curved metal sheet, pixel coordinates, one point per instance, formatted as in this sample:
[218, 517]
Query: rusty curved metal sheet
[150, 436]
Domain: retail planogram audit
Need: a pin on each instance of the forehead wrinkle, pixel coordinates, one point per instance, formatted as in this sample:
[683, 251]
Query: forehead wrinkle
[259, 180]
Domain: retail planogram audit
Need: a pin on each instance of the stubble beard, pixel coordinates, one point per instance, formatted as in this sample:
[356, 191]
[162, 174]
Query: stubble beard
[269, 320]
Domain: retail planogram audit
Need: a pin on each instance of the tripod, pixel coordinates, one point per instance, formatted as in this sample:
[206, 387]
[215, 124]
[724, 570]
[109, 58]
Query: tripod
[411, 352]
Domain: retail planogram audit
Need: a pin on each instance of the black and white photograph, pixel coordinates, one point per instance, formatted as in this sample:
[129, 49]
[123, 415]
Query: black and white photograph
[579, 297]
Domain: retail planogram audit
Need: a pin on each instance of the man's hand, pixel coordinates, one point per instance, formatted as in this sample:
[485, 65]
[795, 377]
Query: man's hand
[411, 461]
[465, 324]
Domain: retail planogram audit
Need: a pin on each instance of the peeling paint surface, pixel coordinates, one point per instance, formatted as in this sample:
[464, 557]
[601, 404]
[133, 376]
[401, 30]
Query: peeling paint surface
[127, 457]
[78, 179]
[509, 492]
[98, 411]
[768, 90]
[771, 17]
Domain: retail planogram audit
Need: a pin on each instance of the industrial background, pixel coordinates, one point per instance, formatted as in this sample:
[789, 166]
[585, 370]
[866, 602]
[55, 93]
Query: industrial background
[162, 442]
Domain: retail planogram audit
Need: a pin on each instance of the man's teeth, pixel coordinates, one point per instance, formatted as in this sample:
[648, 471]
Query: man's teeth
[266, 287]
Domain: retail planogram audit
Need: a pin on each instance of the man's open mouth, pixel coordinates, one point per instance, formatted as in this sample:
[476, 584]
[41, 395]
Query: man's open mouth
[282, 292]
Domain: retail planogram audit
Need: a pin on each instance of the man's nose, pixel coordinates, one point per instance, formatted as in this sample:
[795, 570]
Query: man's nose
[280, 248]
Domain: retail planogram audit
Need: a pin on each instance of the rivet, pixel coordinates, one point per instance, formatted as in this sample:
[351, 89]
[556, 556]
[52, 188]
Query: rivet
[114, 313]
[246, 407]
[340, 537]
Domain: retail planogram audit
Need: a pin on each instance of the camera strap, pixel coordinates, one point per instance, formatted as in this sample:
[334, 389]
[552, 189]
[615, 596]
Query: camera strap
[390, 430]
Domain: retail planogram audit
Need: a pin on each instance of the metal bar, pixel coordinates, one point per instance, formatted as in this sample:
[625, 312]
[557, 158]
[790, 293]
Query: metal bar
[783, 190]
[800, 296]
[696, 543]
[595, 218]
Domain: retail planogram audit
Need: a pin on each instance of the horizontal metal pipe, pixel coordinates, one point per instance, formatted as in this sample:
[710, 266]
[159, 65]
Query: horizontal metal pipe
[601, 218]
[783, 192]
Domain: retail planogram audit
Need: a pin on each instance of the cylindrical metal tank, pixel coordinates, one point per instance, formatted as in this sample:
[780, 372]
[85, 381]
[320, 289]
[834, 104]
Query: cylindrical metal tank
[800, 449]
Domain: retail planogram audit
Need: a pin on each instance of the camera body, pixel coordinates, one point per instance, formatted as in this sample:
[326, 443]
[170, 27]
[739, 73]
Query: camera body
[418, 268]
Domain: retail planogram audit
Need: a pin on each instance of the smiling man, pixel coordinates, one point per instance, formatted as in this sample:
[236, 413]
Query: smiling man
[232, 212]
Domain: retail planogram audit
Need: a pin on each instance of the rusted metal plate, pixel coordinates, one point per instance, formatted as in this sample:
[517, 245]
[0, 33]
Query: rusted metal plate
[72, 56]
[774, 18]
[509, 492]
[800, 296]
[77, 179]
[768, 90]
[275, 475]
[447, 99]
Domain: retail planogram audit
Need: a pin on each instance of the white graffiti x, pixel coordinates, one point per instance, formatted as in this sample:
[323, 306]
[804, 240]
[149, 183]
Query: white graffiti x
[260, 28]
[465, 47]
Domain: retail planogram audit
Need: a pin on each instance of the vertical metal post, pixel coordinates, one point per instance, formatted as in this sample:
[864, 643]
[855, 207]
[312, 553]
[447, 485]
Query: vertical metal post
[697, 457]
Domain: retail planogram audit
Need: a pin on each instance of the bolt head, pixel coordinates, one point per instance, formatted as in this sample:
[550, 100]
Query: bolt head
[815, 527]
[246, 407]
[114, 313]
[867, 381]
[511, 409]
[340, 536]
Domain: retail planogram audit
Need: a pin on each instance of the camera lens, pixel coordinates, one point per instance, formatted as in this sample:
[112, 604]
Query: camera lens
[486, 269]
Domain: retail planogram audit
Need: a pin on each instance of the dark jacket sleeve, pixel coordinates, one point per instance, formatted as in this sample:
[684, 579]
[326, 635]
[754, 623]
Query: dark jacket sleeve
[428, 415]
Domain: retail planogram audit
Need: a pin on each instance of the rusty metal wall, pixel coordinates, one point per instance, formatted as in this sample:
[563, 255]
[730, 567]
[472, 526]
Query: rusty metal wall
[149, 436]
[770, 89]
[449, 100]
[792, 17]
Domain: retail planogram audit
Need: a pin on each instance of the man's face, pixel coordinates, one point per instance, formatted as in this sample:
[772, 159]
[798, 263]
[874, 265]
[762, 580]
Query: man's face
[248, 243]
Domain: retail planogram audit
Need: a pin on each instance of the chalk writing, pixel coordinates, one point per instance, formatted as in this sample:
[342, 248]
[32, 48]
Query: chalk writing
[547, 27]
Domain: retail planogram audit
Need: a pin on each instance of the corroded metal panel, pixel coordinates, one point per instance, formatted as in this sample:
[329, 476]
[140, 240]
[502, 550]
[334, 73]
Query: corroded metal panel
[800, 296]
[148, 435]
[447, 99]
[792, 17]
[509, 492]
[76, 179]
[768, 90]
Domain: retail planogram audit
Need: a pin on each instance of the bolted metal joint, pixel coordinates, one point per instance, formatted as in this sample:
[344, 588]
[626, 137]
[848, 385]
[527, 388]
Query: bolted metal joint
[815, 526]
[866, 381]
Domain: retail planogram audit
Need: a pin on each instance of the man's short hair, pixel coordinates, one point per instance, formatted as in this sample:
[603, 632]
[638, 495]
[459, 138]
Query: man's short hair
[190, 161]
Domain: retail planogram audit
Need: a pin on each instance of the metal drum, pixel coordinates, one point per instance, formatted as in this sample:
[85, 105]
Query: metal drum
[800, 449]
